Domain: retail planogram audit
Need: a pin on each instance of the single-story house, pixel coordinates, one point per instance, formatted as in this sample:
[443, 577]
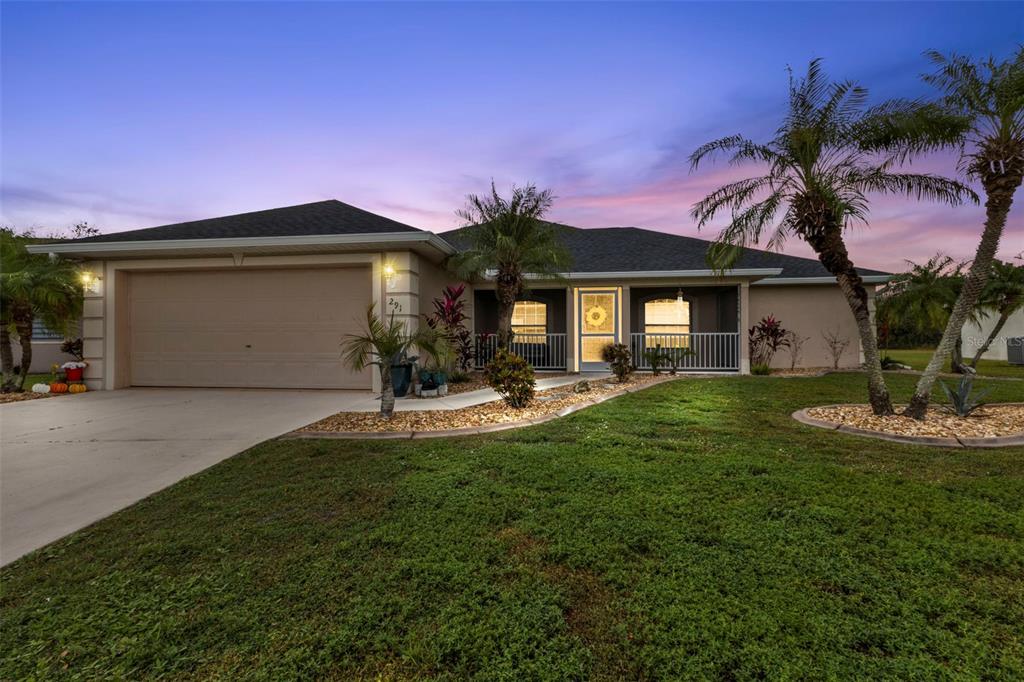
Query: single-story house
[262, 299]
[974, 335]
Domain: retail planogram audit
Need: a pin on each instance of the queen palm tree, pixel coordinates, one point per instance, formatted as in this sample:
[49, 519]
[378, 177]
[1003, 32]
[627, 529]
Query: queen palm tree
[32, 287]
[381, 343]
[990, 96]
[1005, 294]
[510, 238]
[829, 153]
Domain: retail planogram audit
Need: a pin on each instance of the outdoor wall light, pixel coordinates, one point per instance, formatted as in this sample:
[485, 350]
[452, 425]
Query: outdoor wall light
[389, 275]
[679, 297]
[90, 281]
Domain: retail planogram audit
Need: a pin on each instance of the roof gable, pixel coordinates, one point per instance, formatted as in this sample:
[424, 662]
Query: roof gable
[318, 218]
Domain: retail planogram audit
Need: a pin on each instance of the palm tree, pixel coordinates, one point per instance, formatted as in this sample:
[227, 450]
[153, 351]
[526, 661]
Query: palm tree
[990, 97]
[828, 154]
[923, 298]
[383, 342]
[32, 286]
[1005, 291]
[509, 237]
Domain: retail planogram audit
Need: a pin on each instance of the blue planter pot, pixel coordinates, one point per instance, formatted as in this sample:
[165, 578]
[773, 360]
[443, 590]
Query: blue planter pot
[401, 379]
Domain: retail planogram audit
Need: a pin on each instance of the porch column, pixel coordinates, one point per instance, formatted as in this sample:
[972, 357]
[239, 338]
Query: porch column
[744, 324]
[571, 333]
[624, 322]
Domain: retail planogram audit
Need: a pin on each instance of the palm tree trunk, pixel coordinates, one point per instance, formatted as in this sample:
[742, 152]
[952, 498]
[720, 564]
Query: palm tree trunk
[1000, 191]
[833, 255]
[387, 395]
[509, 286]
[6, 358]
[23, 327]
[1003, 317]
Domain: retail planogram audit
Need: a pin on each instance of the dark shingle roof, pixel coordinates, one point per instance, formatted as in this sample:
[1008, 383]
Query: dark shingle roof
[319, 218]
[631, 249]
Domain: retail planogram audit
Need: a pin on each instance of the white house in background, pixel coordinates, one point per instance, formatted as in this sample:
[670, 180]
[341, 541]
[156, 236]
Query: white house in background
[974, 335]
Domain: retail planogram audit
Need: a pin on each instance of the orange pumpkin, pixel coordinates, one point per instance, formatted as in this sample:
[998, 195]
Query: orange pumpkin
[77, 388]
[58, 387]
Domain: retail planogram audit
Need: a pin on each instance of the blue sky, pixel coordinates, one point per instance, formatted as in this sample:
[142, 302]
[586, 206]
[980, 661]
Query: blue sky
[137, 114]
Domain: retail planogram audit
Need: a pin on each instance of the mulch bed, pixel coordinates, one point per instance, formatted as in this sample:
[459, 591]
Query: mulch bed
[476, 382]
[25, 395]
[545, 403]
[990, 421]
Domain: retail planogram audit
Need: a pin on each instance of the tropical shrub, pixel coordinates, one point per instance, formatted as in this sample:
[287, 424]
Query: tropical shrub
[73, 347]
[761, 370]
[449, 319]
[836, 344]
[512, 377]
[964, 400]
[657, 358]
[767, 337]
[617, 355]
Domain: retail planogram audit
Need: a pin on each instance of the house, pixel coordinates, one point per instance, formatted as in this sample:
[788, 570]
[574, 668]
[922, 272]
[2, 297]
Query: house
[974, 335]
[262, 299]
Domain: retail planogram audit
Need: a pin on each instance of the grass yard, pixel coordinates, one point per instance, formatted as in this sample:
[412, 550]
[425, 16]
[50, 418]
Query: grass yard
[918, 359]
[692, 530]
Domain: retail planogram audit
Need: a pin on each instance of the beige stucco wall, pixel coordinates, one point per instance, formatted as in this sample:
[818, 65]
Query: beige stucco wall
[808, 310]
[44, 355]
[974, 335]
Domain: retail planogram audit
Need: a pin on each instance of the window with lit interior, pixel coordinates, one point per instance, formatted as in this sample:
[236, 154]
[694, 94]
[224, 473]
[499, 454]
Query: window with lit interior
[667, 316]
[530, 322]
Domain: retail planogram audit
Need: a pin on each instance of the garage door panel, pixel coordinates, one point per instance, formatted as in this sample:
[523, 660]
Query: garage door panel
[260, 328]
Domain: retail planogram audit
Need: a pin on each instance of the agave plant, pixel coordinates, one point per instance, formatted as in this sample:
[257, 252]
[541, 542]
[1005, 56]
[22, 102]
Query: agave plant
[964, 400]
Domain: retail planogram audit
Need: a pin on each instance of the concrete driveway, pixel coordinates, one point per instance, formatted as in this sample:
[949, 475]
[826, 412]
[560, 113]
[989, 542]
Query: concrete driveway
[66, 462]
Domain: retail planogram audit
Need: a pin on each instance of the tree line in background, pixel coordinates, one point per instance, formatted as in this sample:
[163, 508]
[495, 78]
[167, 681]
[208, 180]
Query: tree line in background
[831, 152]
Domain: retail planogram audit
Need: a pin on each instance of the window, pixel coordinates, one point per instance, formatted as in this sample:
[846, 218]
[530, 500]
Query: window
[530, 322]
[667, 316]
[41, 333]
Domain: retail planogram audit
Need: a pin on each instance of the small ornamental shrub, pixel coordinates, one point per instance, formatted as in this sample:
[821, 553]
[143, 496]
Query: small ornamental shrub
[617, 355]
[767, 337]
[657, 359]
[512, 377]
[73, 347]
[964, 400]
[760, 370]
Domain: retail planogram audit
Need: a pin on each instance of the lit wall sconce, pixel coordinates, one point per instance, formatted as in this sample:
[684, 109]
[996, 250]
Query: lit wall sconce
[90, 281]
[389, 275]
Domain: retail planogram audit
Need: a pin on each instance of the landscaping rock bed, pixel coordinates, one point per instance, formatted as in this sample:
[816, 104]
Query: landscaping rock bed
[25, 395]
[546, 404]
[476, 382]
[997, 424]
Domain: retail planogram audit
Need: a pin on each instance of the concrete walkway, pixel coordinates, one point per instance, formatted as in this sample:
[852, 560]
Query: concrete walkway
[470, 398]
[67, 462]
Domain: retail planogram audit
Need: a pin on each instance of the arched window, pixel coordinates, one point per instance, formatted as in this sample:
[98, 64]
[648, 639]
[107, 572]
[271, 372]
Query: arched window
[667, 316]
[530, 321]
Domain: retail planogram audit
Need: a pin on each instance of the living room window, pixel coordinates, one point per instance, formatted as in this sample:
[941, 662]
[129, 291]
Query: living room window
[530, 322]
[667, 316]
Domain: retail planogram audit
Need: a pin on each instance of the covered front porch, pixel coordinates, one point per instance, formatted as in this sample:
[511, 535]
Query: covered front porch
[691, 327]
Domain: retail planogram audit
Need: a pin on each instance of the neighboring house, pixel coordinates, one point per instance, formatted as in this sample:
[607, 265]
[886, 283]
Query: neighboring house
[262, 299]
[974, 335]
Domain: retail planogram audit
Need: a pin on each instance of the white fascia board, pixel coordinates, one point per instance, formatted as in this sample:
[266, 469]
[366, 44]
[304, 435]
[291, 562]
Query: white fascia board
[654, 274]
[867, 279]
[227, 243]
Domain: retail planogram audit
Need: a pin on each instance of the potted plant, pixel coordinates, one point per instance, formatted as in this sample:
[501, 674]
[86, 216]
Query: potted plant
[401, 373]
[74, 370]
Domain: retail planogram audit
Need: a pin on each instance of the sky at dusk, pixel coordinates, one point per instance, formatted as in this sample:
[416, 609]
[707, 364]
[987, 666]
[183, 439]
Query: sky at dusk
[137, 114]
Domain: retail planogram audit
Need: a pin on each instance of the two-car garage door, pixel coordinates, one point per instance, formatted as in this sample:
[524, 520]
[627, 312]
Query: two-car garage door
[246, 328]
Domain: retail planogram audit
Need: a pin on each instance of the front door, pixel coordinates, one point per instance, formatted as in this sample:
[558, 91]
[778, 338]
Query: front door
[599, 326]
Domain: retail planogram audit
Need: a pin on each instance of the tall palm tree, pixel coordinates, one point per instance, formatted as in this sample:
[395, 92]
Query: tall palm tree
[1005, 292]
[827, 155]
[32, 287]
[990, 96]
[510, 238]
[383, 342]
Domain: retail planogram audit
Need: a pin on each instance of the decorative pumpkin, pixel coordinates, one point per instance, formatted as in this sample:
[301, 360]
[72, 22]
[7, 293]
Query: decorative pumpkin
[77, 388]
[58, 387]
[40, 388]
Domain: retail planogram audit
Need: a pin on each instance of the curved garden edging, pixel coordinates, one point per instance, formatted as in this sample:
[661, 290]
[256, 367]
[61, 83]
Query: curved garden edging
[473, 430]
[934, 441]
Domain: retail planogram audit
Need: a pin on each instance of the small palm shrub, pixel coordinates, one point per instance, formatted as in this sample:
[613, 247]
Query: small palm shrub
[657, 359]
[512, 377]
[964, 400]
[761, 370]
[617, 355]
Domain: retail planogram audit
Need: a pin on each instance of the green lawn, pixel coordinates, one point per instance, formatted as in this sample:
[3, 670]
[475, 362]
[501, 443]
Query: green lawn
[692, 530]
[918, 359]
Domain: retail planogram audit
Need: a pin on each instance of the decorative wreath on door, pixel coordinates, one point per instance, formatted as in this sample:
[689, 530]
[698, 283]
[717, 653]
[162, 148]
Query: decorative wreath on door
[596, 316]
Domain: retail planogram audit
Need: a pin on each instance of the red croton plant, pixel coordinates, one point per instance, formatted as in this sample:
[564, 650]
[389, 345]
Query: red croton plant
[448, 318]
[767, 337]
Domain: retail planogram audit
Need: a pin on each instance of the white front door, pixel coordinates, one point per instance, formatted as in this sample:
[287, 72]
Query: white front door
[599, 327]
